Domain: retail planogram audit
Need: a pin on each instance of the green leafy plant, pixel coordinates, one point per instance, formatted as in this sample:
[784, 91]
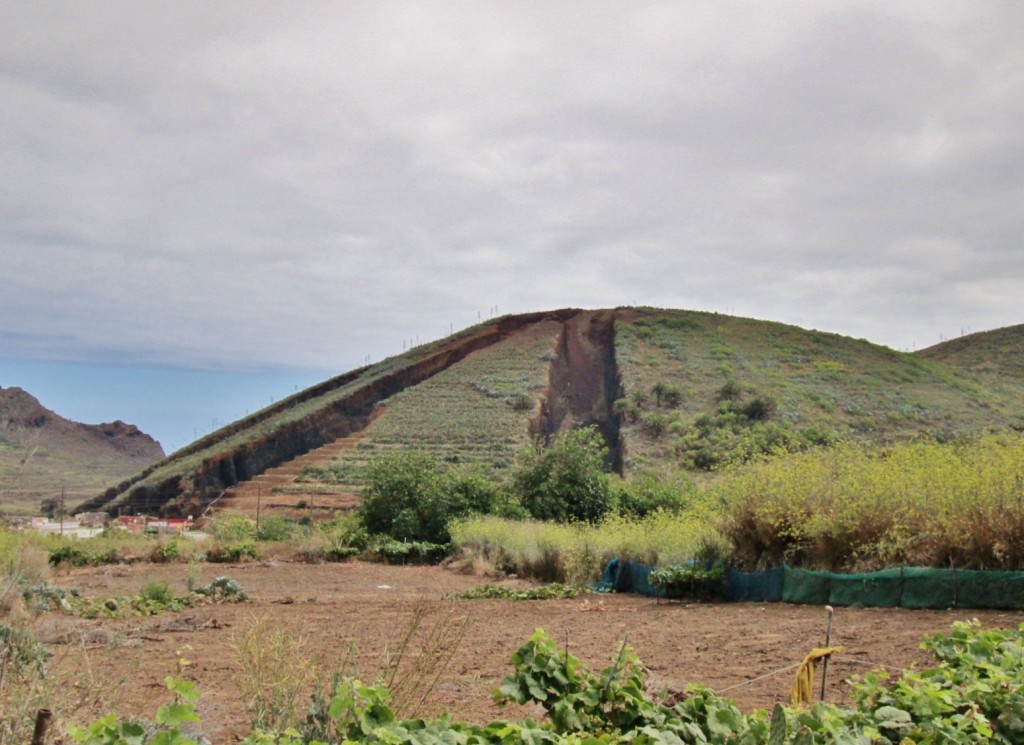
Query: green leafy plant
[553, 591]
[232, 553]
[222, 589]
[694, 580]
[566, 481]
[166, 729]
[410, 552]
[165, 552]
[68, 555]
[157, 591]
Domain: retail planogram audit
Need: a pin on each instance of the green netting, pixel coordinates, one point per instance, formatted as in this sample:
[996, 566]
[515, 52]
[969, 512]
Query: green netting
[754, 586]
[934, 589]
[975, 589]
[628, 576]
[907, 587]
[876, 589]
[805, 586]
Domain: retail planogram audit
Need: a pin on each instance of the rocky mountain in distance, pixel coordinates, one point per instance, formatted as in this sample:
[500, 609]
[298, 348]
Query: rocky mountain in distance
[42, 453]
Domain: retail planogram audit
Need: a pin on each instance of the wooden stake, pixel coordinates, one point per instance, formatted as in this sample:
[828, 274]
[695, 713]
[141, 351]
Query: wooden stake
[42, 724]
[828, 643]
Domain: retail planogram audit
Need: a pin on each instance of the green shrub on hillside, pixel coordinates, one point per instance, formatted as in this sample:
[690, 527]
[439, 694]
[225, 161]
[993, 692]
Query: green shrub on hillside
[646, 495]
[232, 528]
[275, 528]
[567, 481]
[737, 432]
[410, 498]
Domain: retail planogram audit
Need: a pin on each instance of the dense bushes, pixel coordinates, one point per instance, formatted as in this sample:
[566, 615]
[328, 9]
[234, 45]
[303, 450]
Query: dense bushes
[854, 507]
[567, 481]
[410, 498]
[741, 425]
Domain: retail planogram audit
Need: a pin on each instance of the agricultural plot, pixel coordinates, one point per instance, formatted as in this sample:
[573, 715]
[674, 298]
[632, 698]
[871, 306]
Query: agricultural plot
[747, 651]
[477, 411]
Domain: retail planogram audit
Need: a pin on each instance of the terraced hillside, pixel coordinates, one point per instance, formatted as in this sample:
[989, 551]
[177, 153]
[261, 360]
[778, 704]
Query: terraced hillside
[196, 475]
[668, 389]
[477, 411]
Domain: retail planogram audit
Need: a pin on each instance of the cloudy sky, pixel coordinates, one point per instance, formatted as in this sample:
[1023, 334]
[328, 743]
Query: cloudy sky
[286, 189]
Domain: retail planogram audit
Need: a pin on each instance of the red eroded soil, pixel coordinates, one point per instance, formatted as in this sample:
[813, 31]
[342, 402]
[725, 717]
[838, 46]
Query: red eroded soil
[734, 648]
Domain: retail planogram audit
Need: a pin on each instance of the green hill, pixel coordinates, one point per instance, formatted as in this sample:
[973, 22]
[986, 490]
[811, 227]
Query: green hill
[995, 356]
[816, 386]
[668, 389]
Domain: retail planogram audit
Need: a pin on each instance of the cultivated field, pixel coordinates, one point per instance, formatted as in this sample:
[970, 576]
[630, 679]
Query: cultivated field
[729, 647]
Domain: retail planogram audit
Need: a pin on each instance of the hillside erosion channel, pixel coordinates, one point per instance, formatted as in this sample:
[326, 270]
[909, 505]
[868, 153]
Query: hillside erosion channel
[189, 490]
[584, 383]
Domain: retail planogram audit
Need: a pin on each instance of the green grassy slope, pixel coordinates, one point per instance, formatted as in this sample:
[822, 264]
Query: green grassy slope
[822, 386]
[994, 356]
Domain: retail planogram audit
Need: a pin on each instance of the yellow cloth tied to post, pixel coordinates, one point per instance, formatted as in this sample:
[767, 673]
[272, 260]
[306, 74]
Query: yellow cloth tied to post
[803, 685]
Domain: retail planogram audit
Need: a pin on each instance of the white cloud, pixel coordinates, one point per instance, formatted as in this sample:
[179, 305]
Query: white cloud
[305, 184]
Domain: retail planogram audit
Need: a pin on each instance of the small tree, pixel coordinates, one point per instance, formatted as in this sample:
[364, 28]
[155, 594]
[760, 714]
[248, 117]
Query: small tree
[400, 495]
[567, 481]
[410, 498]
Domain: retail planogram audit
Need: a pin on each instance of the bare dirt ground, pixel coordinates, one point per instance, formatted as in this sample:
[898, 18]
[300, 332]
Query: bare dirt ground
[731, 647]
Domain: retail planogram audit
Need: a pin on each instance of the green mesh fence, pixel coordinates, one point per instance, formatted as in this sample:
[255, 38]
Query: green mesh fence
[804, 586]
[754, 587]
[880, 589]
[628, 576]
[989, 589]
[928, 588]
[906, 587]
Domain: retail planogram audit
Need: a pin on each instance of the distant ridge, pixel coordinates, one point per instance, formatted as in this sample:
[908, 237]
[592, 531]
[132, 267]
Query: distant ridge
[1000, 351]
[668, 389]
[42, 453]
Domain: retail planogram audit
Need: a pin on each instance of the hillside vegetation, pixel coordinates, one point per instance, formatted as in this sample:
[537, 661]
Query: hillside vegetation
[702, 390]
[475, 412]
[670, 391]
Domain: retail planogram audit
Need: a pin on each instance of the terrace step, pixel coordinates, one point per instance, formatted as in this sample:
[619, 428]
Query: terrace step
[278, 489]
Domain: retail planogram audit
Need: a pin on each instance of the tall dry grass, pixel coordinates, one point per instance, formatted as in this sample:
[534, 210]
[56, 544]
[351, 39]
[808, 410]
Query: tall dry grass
[857, 508]
[576, 553]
